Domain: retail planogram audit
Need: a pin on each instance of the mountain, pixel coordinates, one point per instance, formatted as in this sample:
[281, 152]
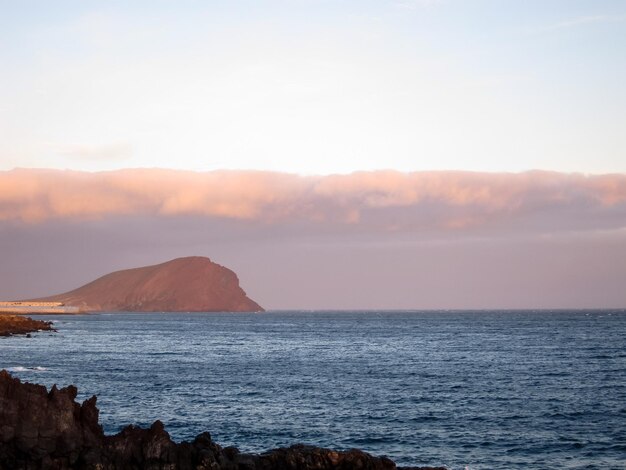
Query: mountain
[192, 284]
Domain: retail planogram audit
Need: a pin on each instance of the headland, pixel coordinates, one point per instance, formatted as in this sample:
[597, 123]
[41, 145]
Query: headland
[190, 284]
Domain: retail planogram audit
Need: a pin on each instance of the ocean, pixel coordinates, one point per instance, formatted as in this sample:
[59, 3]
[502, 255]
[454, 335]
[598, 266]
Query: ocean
[463, 389]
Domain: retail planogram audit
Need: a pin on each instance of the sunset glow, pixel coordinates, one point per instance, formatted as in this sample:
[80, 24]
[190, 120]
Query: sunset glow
[390, 154]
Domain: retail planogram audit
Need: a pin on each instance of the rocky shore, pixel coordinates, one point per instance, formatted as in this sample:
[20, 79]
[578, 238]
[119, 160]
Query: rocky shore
[41, 429]
[19, 325]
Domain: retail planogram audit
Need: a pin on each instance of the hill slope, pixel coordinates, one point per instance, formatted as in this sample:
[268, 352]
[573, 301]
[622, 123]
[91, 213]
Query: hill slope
[192, 284]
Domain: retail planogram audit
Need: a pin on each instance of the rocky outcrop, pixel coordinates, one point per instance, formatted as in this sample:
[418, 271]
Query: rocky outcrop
[18, 325]
[192, 284]
[49, 430]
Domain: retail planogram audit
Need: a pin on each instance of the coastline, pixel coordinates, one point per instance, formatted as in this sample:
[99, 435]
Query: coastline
[49, 429]
[25, 307]
[12, 324]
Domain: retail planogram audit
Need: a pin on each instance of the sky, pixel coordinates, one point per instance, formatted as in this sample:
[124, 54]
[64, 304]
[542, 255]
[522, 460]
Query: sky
[335, 154]
[314, 86]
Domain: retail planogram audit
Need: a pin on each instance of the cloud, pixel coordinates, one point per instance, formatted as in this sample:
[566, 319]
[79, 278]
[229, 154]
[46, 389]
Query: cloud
[365, 201]
[382, 239]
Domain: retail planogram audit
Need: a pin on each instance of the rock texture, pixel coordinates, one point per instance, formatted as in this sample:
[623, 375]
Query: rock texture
[49, 430]
[17, 325]
[192, 284]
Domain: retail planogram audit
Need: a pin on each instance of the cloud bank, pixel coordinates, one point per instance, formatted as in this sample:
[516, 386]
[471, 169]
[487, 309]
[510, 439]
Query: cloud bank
[365, 240]
[379, 200]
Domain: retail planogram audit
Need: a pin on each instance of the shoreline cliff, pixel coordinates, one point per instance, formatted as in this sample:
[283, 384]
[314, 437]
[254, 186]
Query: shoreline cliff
[41, 429]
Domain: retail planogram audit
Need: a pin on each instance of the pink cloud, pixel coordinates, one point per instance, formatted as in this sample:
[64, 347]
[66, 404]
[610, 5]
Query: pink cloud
[382, 200]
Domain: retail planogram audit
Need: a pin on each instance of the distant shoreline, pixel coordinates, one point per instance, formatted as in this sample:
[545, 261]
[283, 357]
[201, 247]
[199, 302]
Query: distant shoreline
[29, 307]
[341, 311]
[25, 312]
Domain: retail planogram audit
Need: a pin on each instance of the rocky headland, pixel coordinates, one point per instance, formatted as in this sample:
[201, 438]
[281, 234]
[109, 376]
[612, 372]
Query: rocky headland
[41, 429]
[18, 325]
[191, 284]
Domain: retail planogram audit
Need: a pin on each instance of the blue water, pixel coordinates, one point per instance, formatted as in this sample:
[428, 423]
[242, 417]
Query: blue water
[486, 390]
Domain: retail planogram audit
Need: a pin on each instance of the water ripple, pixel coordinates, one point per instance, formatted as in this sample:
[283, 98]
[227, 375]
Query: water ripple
[482, 390]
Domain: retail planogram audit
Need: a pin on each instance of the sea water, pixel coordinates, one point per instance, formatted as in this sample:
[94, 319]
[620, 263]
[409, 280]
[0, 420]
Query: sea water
[477, 390]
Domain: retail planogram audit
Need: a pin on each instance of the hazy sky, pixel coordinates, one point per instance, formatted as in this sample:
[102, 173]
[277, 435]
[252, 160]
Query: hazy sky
[364, 240]
[314, 86]
[335, 120]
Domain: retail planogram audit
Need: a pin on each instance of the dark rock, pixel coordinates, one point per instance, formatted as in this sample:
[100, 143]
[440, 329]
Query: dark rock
[20, 325]
[42, 430]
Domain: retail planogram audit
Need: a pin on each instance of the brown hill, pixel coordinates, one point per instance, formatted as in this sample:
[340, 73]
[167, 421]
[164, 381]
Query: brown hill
[193, 284]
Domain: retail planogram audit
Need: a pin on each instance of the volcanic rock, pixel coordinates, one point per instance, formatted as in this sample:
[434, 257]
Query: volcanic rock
[49, 430]
[18, 325]
[192, 284]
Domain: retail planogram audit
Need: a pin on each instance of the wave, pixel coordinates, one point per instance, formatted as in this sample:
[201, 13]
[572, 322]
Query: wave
[26, 369]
